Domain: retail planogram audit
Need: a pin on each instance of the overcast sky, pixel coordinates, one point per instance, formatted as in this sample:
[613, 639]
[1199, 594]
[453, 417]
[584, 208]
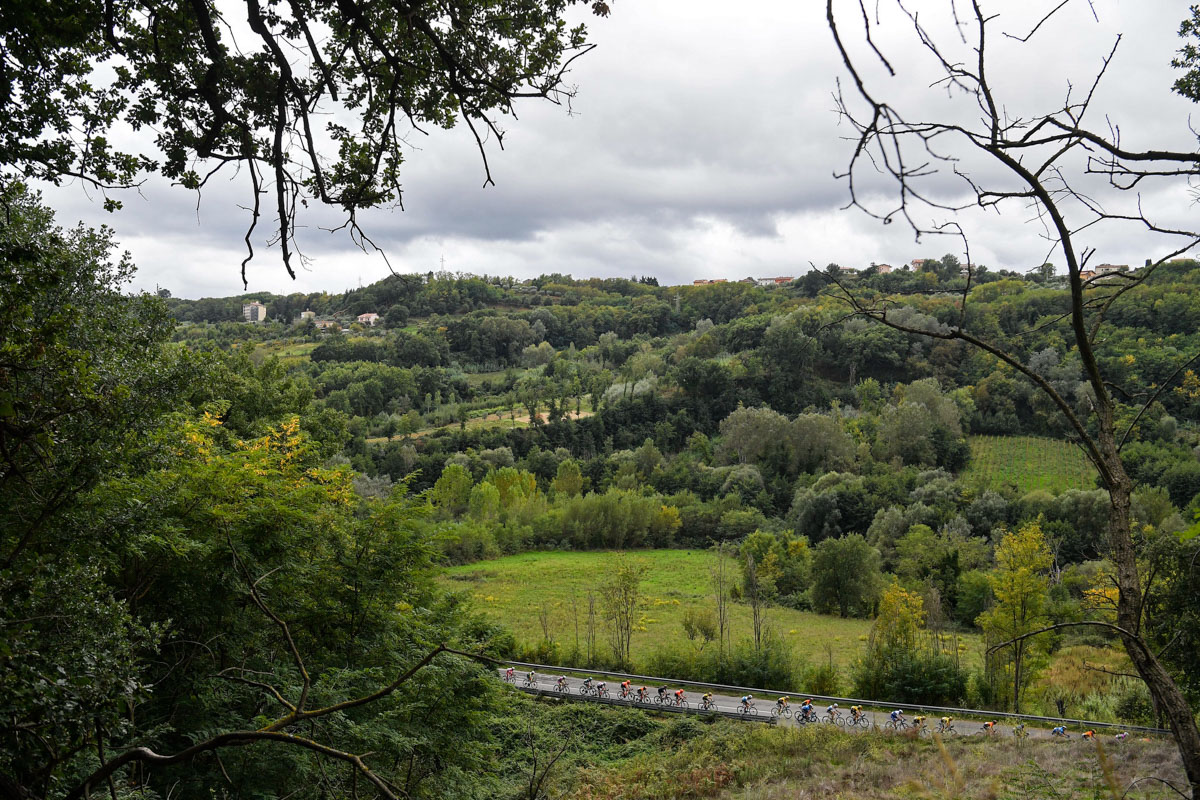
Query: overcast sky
[702, 144]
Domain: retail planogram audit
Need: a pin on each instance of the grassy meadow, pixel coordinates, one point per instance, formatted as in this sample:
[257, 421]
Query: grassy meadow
[1029, 463]
[512, 590]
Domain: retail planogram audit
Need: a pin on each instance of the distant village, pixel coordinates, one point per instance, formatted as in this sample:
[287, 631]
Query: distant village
[256, 312]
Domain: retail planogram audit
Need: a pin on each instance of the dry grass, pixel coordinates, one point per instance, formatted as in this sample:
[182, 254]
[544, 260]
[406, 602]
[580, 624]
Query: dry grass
[774, 764]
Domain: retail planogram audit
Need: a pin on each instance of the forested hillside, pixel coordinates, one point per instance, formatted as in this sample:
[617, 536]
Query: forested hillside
[224, 543]
[839, 454]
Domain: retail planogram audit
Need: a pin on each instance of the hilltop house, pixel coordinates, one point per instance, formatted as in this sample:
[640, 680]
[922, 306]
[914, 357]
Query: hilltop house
[254, 312]
[369, 318]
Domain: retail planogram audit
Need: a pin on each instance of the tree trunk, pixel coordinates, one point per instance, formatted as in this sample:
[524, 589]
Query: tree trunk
[1164, 691]
[1017, 677]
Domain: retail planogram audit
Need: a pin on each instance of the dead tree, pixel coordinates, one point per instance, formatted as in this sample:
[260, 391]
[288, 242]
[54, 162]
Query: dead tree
[1075, 179]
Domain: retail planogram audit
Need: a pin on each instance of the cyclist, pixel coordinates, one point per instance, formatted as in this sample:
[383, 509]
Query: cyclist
[747, 701]
[1020, 731]
[1122, 736]
[919, 722]
[1089, 734]
[781, 703]
[832, 711]
[587, 684]
[989, 727]
[662, 693]
[706, 701]
[946, 724]
[856, 712]
[561, 683]
[897, 717]
[806, 709]
[679, 697]
[625, 688]
[641, 693]
[529, 676]
[509, 675]
[601, 689]
[1061, 730]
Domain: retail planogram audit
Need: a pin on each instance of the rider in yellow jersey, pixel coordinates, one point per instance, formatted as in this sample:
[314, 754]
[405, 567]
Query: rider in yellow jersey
[919, 721]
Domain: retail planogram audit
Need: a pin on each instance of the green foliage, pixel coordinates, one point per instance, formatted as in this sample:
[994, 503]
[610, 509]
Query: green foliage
[1021, 588]
[846, 576]
[919, 676]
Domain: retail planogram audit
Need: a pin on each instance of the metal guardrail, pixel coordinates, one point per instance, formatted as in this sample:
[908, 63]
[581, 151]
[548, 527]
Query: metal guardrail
[648, 706]
[938, 710]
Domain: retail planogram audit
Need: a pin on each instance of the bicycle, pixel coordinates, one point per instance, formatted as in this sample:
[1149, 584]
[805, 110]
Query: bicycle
[946, 727]
[529, 683]
[561, 686]
[1060, 734]
[808, 717]
[748, 709]
[860, 721]
[585, 689]
[896, 725]
[625, 693]
[510, 678]
[781, 711]
[1020, 733]
[679, 702]
[601, 692]
[707, 705]
[834, 719]
[986, 730]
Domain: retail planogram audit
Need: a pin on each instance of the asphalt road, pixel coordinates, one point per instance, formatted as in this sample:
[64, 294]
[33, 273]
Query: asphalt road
[763, 707]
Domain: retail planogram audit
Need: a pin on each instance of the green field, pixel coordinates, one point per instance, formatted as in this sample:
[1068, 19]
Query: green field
[1029, 463]
[512, 590]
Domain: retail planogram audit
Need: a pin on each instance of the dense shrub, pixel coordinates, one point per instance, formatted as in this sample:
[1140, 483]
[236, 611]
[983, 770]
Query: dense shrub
[904, 676]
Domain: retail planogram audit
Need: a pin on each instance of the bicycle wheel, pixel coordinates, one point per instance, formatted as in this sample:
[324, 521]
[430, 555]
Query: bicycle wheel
[841, 722]
[684, 704]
